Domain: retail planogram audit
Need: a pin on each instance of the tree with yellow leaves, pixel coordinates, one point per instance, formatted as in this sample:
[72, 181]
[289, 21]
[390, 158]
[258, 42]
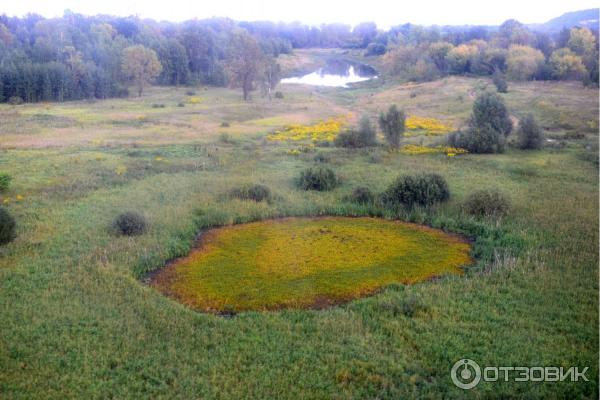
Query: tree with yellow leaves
[141, 65]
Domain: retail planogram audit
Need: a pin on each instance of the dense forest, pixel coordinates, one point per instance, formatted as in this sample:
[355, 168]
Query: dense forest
[78, 57]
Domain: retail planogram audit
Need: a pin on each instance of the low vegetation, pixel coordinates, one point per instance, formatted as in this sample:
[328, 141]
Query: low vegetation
[317, 178]
[5, 180]
[256, 192]
[130, 223]
[362, 195]
[420, 189]
[7, 226]
[487, 203]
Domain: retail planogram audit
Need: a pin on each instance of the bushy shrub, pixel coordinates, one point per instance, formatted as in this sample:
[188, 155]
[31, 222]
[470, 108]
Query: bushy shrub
[181, 104]
[489, 110]
[190, 92]
[362, 195]
[478, 139]
[488, 126]
[364, 136]
[158, 105]
[7, 226]
[318, 178]
[486, 203]
[130, 223]
[530, 134]
[500, 81]
[225, 124]
[278, 95]
[421, 189]
[255, 192]
[4, 181]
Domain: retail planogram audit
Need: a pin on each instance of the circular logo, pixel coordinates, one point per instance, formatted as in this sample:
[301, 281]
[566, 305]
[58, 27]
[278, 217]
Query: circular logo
[465, 374]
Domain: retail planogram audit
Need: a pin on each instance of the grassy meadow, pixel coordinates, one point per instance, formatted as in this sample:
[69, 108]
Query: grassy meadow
[78, 320]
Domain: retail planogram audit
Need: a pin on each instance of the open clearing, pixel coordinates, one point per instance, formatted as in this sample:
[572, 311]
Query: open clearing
[76, 322]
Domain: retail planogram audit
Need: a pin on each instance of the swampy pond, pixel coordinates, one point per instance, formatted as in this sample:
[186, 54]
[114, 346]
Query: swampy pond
[335, 73]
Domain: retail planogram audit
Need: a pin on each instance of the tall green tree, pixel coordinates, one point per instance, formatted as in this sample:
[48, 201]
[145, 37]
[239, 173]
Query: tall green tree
[244, 62]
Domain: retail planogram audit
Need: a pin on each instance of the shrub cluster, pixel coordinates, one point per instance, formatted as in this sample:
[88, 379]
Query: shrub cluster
[255, 192]
[488, 128]
[318, 178]
[362, 195]
[421, 189]
[130, 223]
[364, 136]
[487, 203]
[7, 226]
[4, 181]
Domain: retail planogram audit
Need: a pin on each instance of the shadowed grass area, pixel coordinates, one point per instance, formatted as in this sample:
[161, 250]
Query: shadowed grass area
[307, 262]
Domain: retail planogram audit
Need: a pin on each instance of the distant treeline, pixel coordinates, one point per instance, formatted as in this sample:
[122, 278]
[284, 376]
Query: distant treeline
[77, 56]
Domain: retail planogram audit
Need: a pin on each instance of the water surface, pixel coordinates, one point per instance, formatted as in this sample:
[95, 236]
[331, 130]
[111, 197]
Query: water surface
[336, 73]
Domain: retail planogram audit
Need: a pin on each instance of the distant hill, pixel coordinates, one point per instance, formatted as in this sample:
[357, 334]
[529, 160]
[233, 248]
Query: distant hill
[588, 18]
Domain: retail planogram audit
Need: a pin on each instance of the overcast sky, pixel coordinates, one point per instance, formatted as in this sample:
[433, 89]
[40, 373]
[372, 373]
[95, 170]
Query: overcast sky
[384, 13]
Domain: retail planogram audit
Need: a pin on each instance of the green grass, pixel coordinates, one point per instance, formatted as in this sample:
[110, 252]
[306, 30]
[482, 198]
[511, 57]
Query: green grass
[77, 322]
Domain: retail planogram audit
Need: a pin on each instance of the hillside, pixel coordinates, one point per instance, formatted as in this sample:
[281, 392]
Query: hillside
[587, 18]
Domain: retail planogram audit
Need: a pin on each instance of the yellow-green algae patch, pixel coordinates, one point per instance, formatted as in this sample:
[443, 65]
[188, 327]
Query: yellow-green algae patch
[307, 262]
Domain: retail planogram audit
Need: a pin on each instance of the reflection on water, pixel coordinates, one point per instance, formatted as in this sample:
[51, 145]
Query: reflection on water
[336, 73]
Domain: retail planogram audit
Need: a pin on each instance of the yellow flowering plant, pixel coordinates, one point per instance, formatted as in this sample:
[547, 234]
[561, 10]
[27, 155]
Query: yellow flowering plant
[426, 126]
[413, 149]
[326, 130]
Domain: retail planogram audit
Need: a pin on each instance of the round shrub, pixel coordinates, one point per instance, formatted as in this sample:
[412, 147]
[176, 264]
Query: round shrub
[7, 226]
[362, 195]
[421, 189]
[252, 192]
[318, 178]
[130, 223]
[486, 203]
[4, 181]
[278, 95]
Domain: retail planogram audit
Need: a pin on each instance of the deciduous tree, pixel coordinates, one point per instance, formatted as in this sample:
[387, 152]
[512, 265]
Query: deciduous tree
[141, 65]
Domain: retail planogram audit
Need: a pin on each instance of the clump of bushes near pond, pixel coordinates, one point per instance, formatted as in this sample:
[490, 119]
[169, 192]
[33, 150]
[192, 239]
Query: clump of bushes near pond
[7, 226]
[362, 195]
[317, 178]
[255, 192]
[413, 190]
[487, 203]
[130, 223]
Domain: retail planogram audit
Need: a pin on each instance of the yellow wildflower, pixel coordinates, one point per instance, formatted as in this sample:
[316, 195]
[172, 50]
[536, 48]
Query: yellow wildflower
[427, 126]
[322, 131]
